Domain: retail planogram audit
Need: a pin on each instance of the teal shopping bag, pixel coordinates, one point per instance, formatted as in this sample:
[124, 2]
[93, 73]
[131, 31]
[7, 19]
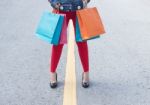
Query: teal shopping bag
[49, 27]
[78, 34]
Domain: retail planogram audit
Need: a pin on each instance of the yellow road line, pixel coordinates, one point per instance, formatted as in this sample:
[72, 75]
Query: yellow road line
[70, 76]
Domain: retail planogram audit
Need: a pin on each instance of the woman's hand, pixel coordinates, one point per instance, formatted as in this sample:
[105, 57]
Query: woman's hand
[85, 2]
[57, 6]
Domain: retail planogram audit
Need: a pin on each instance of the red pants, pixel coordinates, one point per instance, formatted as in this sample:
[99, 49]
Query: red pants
[82, 48]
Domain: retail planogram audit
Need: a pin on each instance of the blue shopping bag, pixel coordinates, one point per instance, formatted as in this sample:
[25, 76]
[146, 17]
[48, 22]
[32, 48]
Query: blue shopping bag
[78, 34]
[49, 27]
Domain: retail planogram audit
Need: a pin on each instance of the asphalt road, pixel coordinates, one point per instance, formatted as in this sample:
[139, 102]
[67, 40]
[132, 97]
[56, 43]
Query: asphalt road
[119, 60]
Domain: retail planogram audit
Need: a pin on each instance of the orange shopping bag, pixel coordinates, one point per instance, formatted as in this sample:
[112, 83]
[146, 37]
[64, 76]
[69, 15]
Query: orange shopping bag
[90, 23]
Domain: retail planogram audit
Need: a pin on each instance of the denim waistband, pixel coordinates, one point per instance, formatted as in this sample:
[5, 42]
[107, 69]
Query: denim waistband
[71, 6]
[77, 5]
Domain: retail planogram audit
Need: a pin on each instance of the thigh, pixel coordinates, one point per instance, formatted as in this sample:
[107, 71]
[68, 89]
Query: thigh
[83, 45]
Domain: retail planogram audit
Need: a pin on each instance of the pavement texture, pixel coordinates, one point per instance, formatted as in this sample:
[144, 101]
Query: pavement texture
[119, 60]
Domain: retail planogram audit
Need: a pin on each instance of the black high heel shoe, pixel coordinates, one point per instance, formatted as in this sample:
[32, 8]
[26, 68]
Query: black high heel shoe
[54, 84]
[85, 84]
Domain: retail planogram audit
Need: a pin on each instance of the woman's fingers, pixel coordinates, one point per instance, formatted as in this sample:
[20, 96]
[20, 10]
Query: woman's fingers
[57, 5]
[84, 3]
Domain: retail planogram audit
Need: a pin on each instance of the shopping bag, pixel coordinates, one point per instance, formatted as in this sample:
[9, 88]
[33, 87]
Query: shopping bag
[90, 23]
[78, 34]
[63, 34]
[49, 27]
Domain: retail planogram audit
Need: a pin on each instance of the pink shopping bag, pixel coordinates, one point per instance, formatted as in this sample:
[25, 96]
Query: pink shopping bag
[63, 35]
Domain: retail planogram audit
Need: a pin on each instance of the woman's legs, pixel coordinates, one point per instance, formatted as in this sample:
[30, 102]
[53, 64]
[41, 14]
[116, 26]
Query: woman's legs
[83, 53]
[82, 49]
[55, 57]
[56, 53]
[57, 49]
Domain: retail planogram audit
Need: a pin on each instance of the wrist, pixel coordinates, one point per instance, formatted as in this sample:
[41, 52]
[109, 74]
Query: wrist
[88, 1]
[84, 3]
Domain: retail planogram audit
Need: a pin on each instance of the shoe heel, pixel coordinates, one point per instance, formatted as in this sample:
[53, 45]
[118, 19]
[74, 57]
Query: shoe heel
[84, 84]
[54, 85]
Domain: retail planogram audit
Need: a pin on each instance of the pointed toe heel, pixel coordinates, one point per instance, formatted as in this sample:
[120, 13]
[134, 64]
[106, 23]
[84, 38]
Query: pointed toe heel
[85, 84]
[54, 84]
